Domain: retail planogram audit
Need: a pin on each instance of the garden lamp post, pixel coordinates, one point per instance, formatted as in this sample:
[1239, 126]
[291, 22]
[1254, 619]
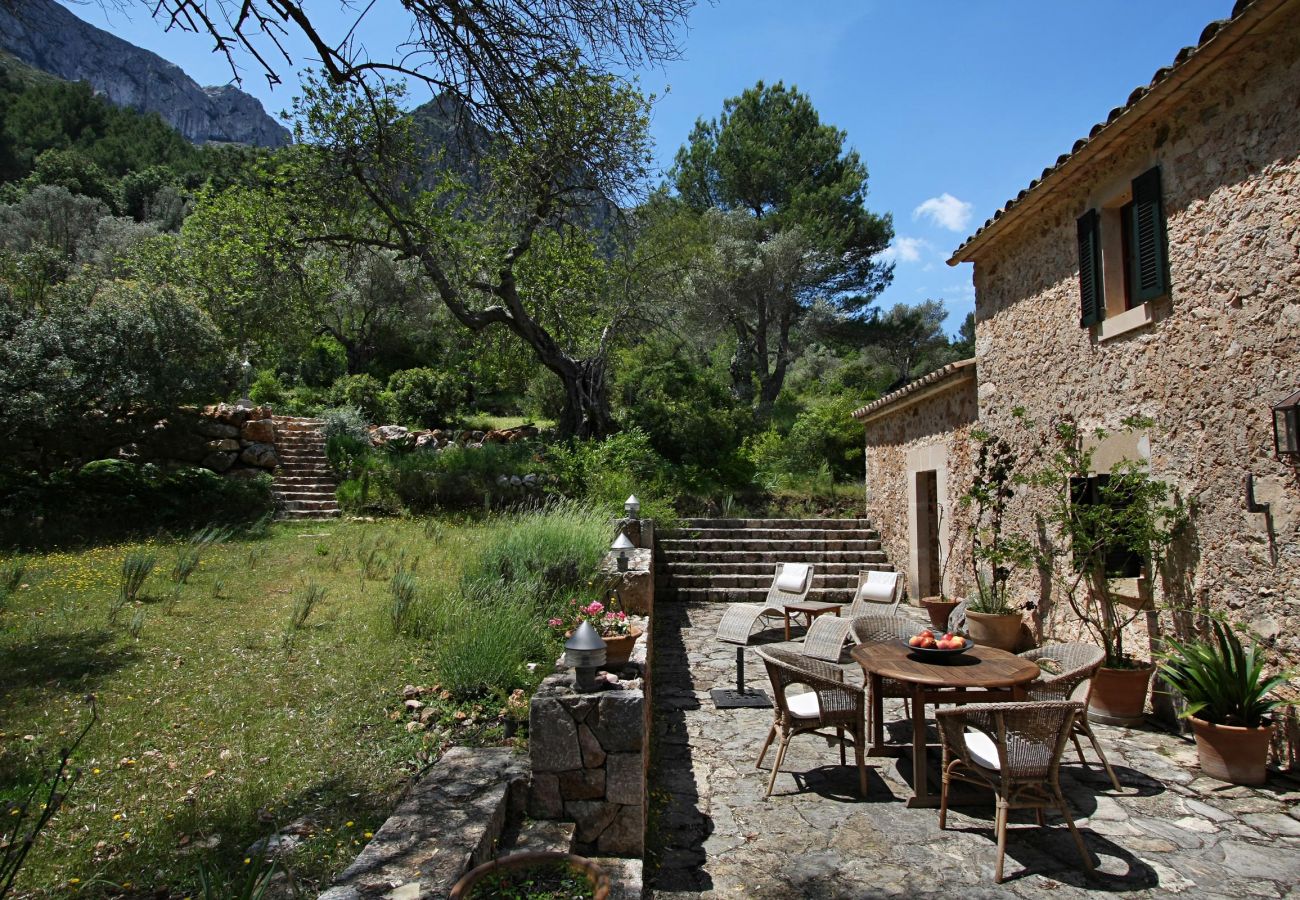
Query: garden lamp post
[246, 370]
[623, 550]
[632, 508]
[584, 652]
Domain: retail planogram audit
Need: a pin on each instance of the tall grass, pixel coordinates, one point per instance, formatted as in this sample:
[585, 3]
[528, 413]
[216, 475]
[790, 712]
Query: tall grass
[11, 576]
[136, 567]
[555, 549]
[402, 589]
[187, 560]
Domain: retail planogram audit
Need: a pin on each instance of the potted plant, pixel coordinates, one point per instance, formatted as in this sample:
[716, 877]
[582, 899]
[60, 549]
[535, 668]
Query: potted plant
[1228, 702]
[614, 626]
[1109, 529]
[533, 874]
[992, 618]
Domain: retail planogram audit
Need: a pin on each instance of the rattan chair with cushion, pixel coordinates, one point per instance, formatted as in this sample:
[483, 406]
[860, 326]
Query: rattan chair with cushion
[829, 703]
[737, 624]
[1015, 749]
[1076, 664]
[878, 594]
[957, 618]
[883, 630]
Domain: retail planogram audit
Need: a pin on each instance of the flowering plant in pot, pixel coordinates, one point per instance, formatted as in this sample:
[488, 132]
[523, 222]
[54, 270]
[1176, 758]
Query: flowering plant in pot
[614, 626]
[1105, 527]
[1229, 701]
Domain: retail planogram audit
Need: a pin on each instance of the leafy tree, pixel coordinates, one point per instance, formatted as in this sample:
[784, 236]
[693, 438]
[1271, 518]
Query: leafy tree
[78, 374]
[964, 346]
[49, 216]
[797, 227]
[909, 336]
[425, 396]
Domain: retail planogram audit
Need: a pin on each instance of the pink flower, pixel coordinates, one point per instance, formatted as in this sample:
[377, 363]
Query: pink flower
[555, 623]
[595, 608]
[621, 616]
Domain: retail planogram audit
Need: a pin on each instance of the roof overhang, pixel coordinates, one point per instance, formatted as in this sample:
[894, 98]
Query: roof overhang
[1218, 40]
[940, 381]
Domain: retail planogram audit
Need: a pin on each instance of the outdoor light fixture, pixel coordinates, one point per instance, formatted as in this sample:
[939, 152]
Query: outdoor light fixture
[1286, 427]
[632, 507]
[623, 550]
[585, 654]
[246, 369]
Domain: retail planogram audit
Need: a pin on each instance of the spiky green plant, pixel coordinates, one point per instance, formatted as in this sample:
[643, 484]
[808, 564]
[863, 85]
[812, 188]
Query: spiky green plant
[401, 588]
[187, 560]
[1222, 681]
[136, 567]
[11, 574]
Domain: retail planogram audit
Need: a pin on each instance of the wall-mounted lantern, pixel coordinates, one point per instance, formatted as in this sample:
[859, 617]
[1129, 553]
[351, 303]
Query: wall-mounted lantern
[623, 550]
[1286, 428]
[632, 507]
[584, 652]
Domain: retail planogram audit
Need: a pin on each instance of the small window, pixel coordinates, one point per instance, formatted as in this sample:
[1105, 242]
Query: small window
[1093, 496]
[1123, 256]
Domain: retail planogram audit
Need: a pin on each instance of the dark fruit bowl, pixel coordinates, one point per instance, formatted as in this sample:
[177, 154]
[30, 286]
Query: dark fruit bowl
[934, 654]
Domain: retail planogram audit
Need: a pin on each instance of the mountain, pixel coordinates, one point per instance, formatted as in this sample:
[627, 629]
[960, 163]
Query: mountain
[49, 37]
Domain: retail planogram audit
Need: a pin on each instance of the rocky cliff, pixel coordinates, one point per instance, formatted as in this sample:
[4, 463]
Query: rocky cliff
[47, 36]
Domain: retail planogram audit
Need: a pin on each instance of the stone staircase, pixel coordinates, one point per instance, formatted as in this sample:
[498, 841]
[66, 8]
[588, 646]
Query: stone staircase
[734, 559]
[303, 486]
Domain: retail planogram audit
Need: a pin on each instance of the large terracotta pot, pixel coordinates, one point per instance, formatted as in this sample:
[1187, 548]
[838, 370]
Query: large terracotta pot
[618, 647]
[1119, 696]
[1000, 632]
[1231, 753]
[518, 861]
[939, 610]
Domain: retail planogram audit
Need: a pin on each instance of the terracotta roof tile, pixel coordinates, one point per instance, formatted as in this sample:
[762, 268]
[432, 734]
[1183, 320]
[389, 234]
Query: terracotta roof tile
[938, 375]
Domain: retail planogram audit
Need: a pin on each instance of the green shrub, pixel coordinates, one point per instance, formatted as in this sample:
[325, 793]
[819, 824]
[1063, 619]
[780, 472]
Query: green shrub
[458, 477]
[345, 420]
[268, 388]
[824, 434]
[323, 363]
[363, 392]
[605, 472]
[347, 454]
[426, 397]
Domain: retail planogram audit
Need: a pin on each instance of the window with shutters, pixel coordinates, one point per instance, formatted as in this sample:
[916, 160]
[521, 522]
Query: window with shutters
[1123, 258]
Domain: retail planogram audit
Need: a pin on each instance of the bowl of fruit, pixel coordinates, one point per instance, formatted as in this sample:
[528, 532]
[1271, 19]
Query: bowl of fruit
[938, 648]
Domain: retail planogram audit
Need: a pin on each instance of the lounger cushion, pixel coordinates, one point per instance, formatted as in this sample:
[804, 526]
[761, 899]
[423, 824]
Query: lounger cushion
[792, 578]
[983, 751]
[878, 590]
[803, 705]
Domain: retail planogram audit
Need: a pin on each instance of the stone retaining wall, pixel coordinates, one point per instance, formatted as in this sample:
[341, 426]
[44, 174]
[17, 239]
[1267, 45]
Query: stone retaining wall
[238, 441]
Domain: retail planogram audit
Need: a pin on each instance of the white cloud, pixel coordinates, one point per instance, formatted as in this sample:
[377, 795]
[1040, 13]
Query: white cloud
[946, 211]
[904, 249]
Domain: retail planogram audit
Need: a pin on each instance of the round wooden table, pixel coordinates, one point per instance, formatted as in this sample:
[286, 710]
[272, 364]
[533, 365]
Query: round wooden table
[980, 675]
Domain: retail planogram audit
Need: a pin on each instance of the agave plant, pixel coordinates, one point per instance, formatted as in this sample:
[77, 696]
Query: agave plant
[1222, 681]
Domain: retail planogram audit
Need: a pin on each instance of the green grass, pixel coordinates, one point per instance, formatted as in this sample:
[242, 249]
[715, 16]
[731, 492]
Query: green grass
[484, 422]
[215, 728]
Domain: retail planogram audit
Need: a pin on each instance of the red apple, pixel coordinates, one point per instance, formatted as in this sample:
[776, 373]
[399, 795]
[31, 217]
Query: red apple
[914, 640]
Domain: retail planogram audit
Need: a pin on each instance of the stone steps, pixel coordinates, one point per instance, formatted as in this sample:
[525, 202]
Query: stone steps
[733, 560]
[304, 487]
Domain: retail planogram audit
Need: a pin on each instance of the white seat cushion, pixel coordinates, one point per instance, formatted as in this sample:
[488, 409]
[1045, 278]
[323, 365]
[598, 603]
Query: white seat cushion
[804, 706]
[879, 587]
[792, 579]
[982, 750]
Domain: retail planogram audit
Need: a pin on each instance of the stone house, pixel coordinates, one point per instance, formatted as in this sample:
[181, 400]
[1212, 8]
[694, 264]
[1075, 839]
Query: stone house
[1152, 270]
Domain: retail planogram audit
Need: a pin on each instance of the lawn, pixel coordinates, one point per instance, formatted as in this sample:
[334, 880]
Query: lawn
[219, 722]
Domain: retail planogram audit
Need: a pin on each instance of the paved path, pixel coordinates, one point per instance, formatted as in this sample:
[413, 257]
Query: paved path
[1169, 831]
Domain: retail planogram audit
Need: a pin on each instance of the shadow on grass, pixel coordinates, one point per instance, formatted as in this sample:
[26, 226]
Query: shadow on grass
[71, 661]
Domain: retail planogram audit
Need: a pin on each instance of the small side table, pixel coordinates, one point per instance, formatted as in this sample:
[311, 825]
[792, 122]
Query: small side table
[809, 610]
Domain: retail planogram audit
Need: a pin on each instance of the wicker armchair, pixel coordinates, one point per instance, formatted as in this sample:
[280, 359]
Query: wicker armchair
[1078, 664]
[878, 594]
[957, 618]
[884, 630]
[737, 625]
[830, 703]
[1015, 749]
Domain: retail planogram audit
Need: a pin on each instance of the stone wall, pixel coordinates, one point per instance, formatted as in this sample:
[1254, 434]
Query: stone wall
[932, 432]
[237, 441]
[1222, 349]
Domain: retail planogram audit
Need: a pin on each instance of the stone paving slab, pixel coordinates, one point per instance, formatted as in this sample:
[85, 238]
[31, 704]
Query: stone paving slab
[1169, 831]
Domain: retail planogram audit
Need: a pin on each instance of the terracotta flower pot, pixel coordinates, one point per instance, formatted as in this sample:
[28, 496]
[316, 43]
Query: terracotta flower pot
[1119, 695]
[939, 610]
[999, 632]
[1231, 753]
[618, 647]
[520, 861]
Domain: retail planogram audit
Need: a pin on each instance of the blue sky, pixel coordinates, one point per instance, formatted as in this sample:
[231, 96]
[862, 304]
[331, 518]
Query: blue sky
[955, 105]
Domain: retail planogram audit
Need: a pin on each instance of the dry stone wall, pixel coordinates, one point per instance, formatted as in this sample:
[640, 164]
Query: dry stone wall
[238, 441]
[1223, 348]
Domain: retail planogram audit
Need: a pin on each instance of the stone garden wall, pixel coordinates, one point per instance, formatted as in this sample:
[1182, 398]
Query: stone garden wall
[238, 441]
[1223, 347]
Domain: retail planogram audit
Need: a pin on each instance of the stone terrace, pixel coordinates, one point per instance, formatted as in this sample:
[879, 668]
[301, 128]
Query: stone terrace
[712, 835]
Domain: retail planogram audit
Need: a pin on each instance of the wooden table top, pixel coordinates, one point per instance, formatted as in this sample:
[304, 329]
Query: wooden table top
[978, 667]
[812, 606]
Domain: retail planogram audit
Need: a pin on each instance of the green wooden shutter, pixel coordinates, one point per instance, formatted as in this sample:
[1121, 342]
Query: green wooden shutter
[1148, 257]
[1092, 301]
